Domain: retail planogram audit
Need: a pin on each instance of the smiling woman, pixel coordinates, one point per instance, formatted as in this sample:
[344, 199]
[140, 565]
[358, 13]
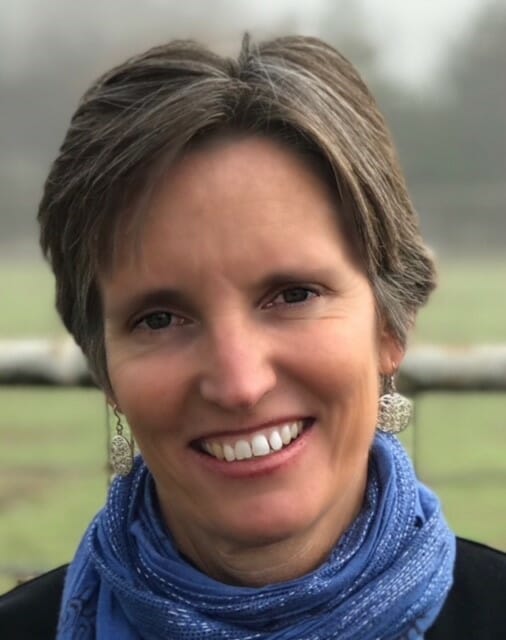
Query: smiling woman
[237, 256]
[258, 325]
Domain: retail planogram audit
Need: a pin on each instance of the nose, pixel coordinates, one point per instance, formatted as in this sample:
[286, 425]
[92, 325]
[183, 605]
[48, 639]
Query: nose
[238, 367]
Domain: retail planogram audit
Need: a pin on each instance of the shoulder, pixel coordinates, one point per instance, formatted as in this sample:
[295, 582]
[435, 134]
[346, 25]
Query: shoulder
[475, 608]
[476, 605]
[31, 610]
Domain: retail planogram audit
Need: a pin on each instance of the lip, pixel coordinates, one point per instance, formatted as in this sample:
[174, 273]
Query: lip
[256, 466]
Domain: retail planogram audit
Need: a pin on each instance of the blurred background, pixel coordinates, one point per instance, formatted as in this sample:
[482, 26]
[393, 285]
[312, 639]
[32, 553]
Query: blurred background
[438, 70]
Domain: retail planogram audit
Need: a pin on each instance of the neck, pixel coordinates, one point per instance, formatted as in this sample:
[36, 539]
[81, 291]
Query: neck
[255, 563]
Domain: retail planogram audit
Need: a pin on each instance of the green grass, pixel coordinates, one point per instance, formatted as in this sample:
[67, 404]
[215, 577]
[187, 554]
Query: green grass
[468, 306]
[458, 443]
[53, 442]
[52, 474]
[27, 294]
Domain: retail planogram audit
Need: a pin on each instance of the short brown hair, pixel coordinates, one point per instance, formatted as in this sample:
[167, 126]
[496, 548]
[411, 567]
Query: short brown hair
[146, 111]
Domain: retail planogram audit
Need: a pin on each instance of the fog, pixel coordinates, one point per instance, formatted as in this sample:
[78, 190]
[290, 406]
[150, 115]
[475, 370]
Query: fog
[437, 69]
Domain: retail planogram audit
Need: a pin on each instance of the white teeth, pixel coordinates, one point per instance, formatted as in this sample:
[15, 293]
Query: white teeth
[275, 441]
[286, 434]
[260, 445]
[229, 453]
[217, 451]
[242, 450]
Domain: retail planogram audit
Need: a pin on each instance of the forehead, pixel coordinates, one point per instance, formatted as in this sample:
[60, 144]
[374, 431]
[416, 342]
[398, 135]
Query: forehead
[226, 194]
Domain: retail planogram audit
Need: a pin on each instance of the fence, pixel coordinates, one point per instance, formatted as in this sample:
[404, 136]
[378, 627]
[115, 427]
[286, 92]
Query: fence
[424, 369]
[427, 369]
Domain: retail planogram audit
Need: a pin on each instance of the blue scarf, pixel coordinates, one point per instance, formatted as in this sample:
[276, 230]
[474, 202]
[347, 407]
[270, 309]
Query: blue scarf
[386, 578]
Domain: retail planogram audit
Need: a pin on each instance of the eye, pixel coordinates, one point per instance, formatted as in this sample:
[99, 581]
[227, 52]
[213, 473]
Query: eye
[293, 296]
[160, 320]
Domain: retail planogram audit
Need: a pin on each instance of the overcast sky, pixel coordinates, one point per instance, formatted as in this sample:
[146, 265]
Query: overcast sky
[415, 34]
[412, 35]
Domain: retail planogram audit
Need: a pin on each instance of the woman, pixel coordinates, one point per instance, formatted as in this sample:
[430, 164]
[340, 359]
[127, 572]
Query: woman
[237, 256]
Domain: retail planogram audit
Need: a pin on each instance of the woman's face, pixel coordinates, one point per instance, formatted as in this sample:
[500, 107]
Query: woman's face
[238, 324]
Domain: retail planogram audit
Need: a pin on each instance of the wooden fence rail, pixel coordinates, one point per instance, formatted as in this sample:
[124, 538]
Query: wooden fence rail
[425, 368]
[428, 368]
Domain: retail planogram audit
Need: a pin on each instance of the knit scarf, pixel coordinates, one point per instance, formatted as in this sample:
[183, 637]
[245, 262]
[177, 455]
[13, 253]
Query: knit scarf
[386, 578]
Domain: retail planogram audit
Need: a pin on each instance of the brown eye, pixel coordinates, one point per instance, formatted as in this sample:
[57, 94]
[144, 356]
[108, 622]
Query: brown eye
[296, 294]
[158, 320]
[293, 296]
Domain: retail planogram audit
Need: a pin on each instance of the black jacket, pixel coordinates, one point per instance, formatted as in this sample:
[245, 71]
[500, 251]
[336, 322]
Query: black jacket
[474, 610]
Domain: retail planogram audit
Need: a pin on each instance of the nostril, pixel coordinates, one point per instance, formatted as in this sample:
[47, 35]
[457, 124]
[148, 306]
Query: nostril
[239, 390]
[237, 363]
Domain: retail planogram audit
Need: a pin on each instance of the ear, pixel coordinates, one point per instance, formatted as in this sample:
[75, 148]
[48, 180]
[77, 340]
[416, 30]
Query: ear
[391, 353]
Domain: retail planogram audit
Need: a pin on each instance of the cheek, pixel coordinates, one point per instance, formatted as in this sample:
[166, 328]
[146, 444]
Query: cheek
[342, 359]
[149, 391]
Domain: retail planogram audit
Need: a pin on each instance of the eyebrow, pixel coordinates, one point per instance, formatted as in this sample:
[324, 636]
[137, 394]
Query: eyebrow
[175, 298]
[165, 297]
[308, 275]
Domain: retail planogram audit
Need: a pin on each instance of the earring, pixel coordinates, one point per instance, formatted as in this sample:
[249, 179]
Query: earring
[394, 410]
[122, 450]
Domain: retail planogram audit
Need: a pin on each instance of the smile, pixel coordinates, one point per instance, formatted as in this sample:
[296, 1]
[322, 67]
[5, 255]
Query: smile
[258, 444]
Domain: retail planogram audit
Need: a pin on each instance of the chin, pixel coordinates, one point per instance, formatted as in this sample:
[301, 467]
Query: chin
[267, 522]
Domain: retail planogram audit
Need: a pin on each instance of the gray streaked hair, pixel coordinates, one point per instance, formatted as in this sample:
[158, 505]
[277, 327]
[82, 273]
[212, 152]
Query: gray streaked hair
[140, 116]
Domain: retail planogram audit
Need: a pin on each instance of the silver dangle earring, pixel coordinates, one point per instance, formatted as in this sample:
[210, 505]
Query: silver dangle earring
[394, 411]
[122, 449]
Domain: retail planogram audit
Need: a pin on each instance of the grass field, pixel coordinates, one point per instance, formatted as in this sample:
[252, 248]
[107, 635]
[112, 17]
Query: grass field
[52, 442]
